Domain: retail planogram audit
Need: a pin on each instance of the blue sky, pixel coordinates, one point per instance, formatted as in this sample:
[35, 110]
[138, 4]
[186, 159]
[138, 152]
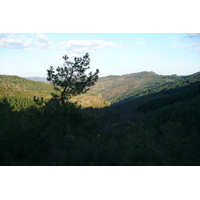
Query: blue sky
[112, 53]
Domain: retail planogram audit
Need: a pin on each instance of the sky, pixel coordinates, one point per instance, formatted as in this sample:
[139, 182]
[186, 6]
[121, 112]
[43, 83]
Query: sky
[31, 54]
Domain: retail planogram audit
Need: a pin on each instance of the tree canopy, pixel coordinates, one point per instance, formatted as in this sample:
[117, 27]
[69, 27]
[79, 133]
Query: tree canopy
[71, 80]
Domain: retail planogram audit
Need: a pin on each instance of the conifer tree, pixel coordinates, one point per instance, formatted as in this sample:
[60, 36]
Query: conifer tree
[71, 80]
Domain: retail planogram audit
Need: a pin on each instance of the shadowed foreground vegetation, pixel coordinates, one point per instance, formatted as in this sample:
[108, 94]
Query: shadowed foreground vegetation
[158, 128]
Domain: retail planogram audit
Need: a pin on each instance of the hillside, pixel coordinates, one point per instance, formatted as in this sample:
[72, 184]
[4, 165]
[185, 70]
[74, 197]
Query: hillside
[14, 87]
[157, 124]
[180, 92]
[21, 87]
[117, 88]
[158, 91]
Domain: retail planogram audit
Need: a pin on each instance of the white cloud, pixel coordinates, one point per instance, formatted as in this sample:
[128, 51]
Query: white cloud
[43, 41]
[190, 45]
[191, 35]
[14, 43]
[173, 46]
[33, 50]
[42, 38]
[198, 48]
[90, 46]
[185, 46]
[141, 42]
[1, 34]
[22, 42]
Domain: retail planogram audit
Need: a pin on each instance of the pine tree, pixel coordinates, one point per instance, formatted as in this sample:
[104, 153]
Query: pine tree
[71, 80]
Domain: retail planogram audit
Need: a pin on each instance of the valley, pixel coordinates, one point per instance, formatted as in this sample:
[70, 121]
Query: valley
[135, 119]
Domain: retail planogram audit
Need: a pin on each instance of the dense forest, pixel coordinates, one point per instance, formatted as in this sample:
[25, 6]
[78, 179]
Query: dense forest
[139, 119]
[117, 88]
[20, 93]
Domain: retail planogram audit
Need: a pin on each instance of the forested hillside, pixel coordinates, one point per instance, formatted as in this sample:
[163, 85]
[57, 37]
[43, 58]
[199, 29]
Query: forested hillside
[20, 92]
[21, 87]
[117, 88]
[160, 90]
[153, 120]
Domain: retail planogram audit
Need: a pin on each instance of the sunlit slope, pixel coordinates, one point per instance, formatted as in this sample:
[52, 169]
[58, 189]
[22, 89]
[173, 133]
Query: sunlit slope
[14, 86]
[110, 89]
[17, 87]
[117, 88]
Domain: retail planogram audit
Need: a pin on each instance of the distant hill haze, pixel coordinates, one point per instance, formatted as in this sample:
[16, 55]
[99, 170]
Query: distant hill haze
[36, 78]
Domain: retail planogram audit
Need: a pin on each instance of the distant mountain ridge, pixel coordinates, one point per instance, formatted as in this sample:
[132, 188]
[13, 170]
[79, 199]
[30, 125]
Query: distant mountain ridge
[37, 78]
[182, 84]
[131, 75]
[113, 88]
[117, 88]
